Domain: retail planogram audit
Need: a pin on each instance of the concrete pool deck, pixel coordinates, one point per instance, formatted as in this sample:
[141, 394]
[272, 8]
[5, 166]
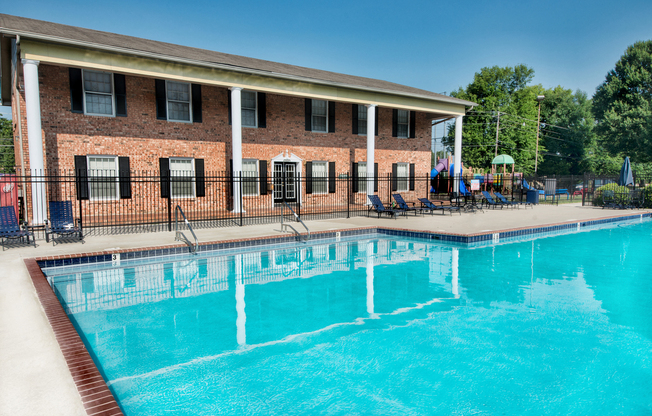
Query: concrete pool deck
[34, 376]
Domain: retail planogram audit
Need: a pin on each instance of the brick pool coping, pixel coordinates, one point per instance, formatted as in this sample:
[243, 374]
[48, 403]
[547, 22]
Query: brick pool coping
[96, 397]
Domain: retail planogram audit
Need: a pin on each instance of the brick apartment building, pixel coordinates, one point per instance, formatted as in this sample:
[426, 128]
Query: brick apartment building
[100, 102]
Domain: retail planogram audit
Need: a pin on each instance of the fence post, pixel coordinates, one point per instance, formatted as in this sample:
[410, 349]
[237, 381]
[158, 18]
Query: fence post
[170, 205]
[349, 178]
[241, 199]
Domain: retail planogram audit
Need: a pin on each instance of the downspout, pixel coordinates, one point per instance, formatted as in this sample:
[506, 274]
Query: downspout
[20, 123]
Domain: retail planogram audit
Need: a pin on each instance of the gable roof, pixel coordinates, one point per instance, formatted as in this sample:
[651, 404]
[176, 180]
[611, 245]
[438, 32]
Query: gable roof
[89, 38]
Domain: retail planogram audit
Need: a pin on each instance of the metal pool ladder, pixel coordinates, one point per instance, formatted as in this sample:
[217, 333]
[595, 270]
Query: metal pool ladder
[180, 236]
[285, 226]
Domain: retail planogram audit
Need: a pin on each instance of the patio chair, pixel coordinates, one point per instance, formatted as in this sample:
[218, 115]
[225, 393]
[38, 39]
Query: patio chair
[609, 200]
[635, 199]
[490, 201]
[11, 229]
[379, 208]
[507, 202]
[427, 205]
[62, 223]
[404, 205]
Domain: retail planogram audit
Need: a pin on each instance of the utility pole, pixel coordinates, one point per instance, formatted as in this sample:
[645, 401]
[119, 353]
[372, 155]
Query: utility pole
[497, 130]
[536, 152]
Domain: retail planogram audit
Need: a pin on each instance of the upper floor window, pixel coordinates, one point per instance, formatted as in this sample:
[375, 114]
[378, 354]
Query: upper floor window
[178, 97]
[98, 93]
[249, 107]
[403, 124]
[319, 116]
[362, 120]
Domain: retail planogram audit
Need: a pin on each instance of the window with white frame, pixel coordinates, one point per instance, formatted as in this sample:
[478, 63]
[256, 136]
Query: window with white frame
[403, 124]
[319, 177]
[249, 118]
[319, 116]
[362, 120]
[402, 176]
[102, 177]
[98, 93]
[178, 99]
[182, 175]
[362, 177]
[249, 177]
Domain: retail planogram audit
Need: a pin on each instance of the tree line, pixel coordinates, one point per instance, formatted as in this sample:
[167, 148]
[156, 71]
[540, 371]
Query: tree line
[577, 134]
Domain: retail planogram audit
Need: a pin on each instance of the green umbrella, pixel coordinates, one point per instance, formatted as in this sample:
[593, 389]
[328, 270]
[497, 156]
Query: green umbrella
[502, 160]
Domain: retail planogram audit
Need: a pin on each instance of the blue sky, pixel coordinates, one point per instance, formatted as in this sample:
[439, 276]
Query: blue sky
[436, 46]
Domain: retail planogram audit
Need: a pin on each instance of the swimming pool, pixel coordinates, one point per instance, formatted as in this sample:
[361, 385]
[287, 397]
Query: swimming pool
[558, 325]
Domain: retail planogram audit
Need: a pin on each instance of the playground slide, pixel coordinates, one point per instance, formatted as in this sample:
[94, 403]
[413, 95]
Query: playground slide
[441, 166]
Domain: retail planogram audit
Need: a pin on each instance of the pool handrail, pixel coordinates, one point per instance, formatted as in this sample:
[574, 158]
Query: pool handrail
[284, 226]
[180, 236]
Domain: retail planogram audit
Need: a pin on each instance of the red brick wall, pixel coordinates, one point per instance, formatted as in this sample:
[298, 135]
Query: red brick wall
[144, 138]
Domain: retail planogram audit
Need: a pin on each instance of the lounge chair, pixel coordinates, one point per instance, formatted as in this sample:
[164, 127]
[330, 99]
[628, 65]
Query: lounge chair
[404, 206]
[10, 228]
[427, 205]
[62, 222]
[490, 201]
[507, 202]
[379, 208]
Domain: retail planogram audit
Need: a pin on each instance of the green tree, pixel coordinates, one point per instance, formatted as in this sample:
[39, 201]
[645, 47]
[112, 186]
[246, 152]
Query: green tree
[7, 161]
[622, 105]
[503, 90]
[567, 133]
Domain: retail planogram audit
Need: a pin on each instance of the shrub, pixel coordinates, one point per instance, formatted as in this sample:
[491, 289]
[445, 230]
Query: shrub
[620, 194]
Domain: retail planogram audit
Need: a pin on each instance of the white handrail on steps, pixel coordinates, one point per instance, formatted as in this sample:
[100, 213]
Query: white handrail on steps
[180, 236]
[285, 226]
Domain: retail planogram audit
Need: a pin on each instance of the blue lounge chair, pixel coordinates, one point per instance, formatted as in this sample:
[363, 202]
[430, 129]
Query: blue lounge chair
[379, 208]
[490, 201]
[404, 205]
[427, 205]
[10, 228]
[502, 200]
[62, 222]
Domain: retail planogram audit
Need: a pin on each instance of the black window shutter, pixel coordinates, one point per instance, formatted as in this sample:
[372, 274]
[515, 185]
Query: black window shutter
[331, 116]
[354, 119]
[308, 114]
[394, 176]
[262, 173]
[308, 177]
[196, 103]
[161, 101]
[124, 177]
[262, 110]
[354, 177]
[200, 181]
[228, 103]
[394, 123]
[412, 176]
[413, 123]
[376, 120]
[331, 177]
[375, 177]
[81, 177]
[120, 88]
[76, 90]
[164, 172]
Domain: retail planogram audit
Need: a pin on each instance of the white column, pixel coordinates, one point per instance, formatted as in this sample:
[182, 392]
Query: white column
[241, 316]
[456, 272]
[458, 153]
[34, 139]
[236, 144]
[371, 147]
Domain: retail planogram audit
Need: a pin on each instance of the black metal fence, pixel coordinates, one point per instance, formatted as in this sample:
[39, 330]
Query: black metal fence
[133, 202]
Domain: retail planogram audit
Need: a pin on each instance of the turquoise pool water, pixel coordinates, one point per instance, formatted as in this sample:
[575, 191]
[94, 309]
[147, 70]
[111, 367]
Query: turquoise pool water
[548, 326]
